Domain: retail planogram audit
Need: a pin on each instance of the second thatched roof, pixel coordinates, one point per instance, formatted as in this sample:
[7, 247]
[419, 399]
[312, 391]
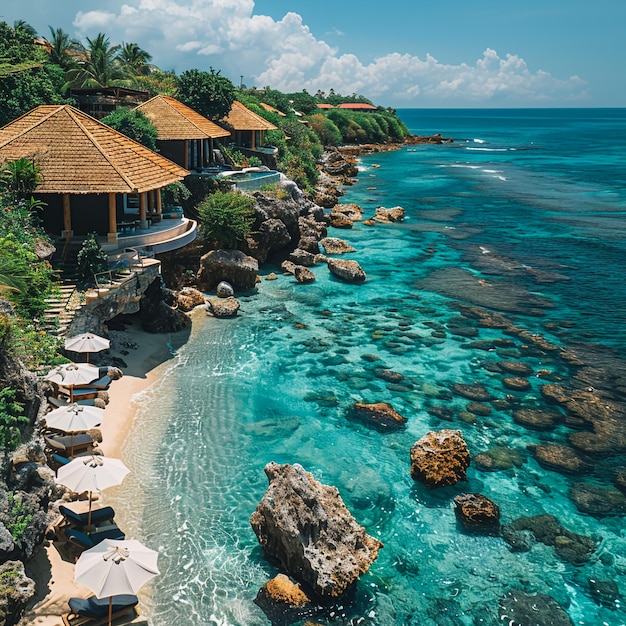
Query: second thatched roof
[78, 154]
[242, 118]
[176, 121]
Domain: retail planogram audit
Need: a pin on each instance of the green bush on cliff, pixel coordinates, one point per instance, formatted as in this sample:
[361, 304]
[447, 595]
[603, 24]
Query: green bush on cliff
[226, 218]
[11, 418]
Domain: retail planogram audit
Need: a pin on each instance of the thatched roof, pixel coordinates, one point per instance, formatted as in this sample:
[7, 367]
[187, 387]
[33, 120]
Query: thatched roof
[78, 154]
[242, 118]
[175, 120]
[269, 107]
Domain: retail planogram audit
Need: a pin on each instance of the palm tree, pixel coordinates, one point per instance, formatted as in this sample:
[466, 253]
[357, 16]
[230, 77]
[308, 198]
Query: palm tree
[21, 26]
[135, 59]
[101, 67]
[63, 49]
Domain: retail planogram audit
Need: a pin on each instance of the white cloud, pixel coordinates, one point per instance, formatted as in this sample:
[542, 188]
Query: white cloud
[284, 54]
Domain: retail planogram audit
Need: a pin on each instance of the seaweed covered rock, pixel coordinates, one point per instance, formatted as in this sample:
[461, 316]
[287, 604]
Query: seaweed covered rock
[440, 458]
[306, 526]
[379, 415]
[477, 513]
[282, 600]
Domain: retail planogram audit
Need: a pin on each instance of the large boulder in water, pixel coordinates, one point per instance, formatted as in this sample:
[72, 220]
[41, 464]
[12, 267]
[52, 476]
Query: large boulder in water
[232, 266]
[440, 458]
[348, 271]
[306, 526]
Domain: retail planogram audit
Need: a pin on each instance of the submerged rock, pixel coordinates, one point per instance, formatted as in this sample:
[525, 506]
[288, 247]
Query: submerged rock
[519, 607]
[598, 501]
[560, 459]
[440, 458]
[569, 546]
[380, 415]
[306, 526]
[537, 419]
[475, 392]
[499, 458]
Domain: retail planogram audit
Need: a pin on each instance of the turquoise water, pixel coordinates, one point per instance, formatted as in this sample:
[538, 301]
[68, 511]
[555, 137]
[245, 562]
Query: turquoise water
[523, 215]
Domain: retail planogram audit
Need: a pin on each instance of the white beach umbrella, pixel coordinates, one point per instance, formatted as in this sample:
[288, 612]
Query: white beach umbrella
[72, 374]
[92, 473]
[86, 343]
[116, 567]
[74, 417]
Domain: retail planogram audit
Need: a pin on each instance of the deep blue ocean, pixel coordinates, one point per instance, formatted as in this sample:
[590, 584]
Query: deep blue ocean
[524, 216]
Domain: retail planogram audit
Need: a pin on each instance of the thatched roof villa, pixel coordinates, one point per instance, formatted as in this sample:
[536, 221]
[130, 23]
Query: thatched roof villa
[185, 136]
[88, 171]
[247, 129]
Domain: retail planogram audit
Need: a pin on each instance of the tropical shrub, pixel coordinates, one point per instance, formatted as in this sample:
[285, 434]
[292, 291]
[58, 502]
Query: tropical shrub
[23, 264]
[226, 218]
[175, 194]
[326, 130]
[133, 124]
[11, 418]
[19, 518]
[91, 259]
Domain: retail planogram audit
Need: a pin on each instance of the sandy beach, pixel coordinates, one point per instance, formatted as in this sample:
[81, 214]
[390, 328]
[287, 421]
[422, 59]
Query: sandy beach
[144, 354]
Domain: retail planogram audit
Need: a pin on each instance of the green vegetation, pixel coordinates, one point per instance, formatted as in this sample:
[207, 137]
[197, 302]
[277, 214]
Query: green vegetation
[19, 518]
[226, 218]
[11, 417]
[133, 124]
[208, 93]
[91, 259]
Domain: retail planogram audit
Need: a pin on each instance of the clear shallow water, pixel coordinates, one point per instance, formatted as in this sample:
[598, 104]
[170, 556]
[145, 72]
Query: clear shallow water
[523, 214]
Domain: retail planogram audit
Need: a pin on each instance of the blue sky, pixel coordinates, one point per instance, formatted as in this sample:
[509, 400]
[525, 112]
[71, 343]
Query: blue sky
[422, 53]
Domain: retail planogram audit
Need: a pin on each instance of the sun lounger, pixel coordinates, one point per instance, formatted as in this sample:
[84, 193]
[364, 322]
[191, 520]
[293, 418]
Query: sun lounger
[95, 611]
[101, 383]
[59, 402]
[85, 541]
[98, 516]
[65, 444]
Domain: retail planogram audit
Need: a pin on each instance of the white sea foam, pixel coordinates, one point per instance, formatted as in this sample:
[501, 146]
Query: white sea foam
[478, 140]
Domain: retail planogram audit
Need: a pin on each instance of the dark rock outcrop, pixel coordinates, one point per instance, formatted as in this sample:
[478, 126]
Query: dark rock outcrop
[537, 419]
[475, 392]
[379, 415]
[477, 513]
[598, 501]
[15, 591]
[156, 315]
[233, 266]
[302, 257]
[306, 526]
[440, 458]
[303, 274]
[348, 271]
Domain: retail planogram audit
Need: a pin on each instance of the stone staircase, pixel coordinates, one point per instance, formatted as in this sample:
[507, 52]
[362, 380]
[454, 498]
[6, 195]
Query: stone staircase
[62, 307]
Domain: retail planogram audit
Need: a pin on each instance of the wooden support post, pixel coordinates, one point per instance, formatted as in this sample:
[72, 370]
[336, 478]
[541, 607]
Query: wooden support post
[67, 217]
[186, 156]
[159, 203]
[112, 234]
[142, 210]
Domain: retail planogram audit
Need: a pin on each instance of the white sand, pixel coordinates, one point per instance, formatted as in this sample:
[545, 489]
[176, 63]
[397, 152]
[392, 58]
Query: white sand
[54, 576]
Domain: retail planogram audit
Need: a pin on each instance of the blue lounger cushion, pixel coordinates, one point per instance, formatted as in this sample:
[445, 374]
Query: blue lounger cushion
[94, 607]
[81, 519]
[89, 541]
